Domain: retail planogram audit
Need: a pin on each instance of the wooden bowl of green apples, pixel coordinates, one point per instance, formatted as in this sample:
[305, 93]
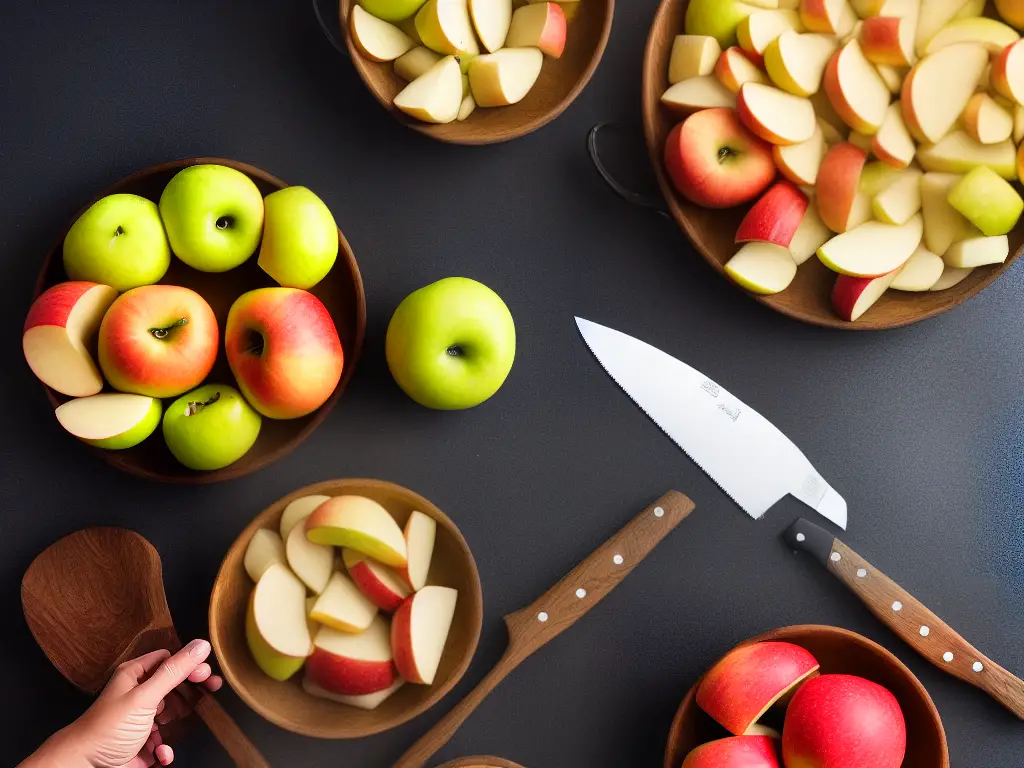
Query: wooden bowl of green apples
[196, 321]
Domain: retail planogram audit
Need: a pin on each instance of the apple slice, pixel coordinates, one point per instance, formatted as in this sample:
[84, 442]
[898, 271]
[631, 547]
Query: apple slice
[696, 94]
[893, 77]
[754, 751]
[741, 687]
[360, 524]
[762, 268]
[856, 89]
[265, 549]
[989, 202]
[994, 35]
[775, 217]
[951, 276]
[368, 701]
[353, 664]
[1018, 124]
[833, 17]
[768, 5]
[921, 272]
[893, 143]
[467, 107]
[829, 132]
[796, 63]
[311, 562]
[853, 296]
[959, 153]
[445, 26]
[935, 14]
[416, 62]
[900, 200]
[436, 95]
[809, 236]
[420, 534]
[1008, 72]
[492, 19]
[543, 26]
[734, 69]
[692, 56]
[867, 8]
[59, 326]
[800, 162]
[343, 607]
[878, 177]
[943, 225]
[275, 626]
[376, 39]
[113, 421]
[505, 77]
[385, 589]
[758, 29]
[888, 40]
[419, 633]
[938, 88]
[297, 511]
[977, 252]
[873, 249]
[776, 116]
[861, 141]
[839, 185]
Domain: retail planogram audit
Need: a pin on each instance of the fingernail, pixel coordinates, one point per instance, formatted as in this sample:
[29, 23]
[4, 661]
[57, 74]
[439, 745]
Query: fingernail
[198, 650]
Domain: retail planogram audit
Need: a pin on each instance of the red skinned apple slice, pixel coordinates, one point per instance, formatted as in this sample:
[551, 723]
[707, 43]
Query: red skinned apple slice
[985, 121]
[734, 752]
[853, 296]
[920, 273]
[762, 268]
[310, 562]
[774, 115]
[758, 30]
[297, 511]
[839, 185]
[539, 26]
[873, 249]
[1008, 73]
[343, 607]
[800, 162]
[893, 143]
[353, 664]
[734, 69]
[856, 90]
[692, 56]
[419, 633]
[360, 524]
[420, 533]
[59, 326]
[696, 94]
[385, 588]
[809, 236]
[832, 17]
[741, 687]
[775, 217]
[888, 40]
[938, 88]
[265, 549]
[368, 702]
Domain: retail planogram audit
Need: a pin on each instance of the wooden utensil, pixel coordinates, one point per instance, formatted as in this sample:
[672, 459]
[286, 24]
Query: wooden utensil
[839, 651]
[341, 292]
[921, 629]
[94, 600]
[712, 232]
[559, 608]
[480, 761]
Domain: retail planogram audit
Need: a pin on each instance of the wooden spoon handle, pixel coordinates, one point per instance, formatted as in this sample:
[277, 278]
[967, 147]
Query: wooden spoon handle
[226, 730]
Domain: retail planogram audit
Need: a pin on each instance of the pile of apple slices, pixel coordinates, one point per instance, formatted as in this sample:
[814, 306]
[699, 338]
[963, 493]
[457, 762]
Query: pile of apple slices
[436, 48]
[896, 135]
[323, 608]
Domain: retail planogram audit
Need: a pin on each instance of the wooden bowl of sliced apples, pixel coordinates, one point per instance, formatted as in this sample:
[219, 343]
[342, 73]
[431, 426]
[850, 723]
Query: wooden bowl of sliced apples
[851, 163]
[476, 71]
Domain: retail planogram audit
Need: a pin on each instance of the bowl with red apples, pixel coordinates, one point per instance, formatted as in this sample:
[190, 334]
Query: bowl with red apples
[196, 321]
[807, 695]
[346, 608]
[849, 163]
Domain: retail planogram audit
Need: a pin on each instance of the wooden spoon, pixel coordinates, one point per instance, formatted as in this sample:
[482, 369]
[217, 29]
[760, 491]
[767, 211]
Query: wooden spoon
[94, 600]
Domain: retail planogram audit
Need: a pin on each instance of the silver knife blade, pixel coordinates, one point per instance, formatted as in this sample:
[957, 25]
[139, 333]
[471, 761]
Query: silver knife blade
[743, 452]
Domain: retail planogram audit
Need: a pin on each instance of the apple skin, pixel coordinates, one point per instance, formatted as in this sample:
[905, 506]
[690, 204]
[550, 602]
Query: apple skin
[734, 752]
[283, 350]
[218, 434]
[392, 10]
[349, 677]
[835, 721]
[716, 18]
[451, 344]
[1001, 83]
[144, 350]
[838, 183]
[848, 290]
[300, 238]
[213, 215]
[1012, 12]
[880, 40]
[775, 217]
[381, 594]
[132, 437]
[692, 160]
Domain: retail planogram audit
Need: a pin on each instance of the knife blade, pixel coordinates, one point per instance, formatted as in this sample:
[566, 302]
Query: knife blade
[743, 452]
[925, 632]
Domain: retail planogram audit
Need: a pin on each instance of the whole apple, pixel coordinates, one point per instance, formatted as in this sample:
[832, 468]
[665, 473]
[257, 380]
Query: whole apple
[284, 351]
[158, 340]
[119, 241]
[717, 18]
[300, 238]
[450, 345]
[210, 427]
[392, 10]
[213, 215]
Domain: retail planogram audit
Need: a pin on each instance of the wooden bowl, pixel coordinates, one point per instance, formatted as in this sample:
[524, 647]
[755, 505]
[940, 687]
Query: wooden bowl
[286, 704]
[480, 761]
[561, 81]
[808, 298]
[341, 292]
[838, 651]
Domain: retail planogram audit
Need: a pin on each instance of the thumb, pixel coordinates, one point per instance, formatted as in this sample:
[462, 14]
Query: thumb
[172, 673]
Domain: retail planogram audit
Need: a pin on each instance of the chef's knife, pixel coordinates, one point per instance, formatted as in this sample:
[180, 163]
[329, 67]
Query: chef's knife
[925, 632]
[749, 458]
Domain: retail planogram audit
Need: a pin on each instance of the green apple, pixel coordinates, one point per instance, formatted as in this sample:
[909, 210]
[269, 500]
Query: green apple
[109, 420]
[210, 427]
[392, 10]
[300, 238]
[988, 201]
[213, 215]
[119, 241]
[717, 18]
[451, 344]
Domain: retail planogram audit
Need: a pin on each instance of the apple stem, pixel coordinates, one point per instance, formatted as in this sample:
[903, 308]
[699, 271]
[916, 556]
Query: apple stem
[194, 406]
[162, 333]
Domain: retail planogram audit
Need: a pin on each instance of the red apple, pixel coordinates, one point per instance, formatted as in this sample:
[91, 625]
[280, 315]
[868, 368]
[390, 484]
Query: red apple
[775, 217]
[284, 351]
[158, 340]
[734, 752]
[419, 632]
[352, 664]
[383, 587]
[853, 296]
[714, 161]
[741, 687]
[842, 721]
[60, 325]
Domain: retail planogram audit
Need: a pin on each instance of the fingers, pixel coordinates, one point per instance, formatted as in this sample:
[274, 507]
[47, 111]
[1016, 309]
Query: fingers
[214, 683]
[129, 674]
[175, 708]
[164, 754]
[201, 673]
[172, 672]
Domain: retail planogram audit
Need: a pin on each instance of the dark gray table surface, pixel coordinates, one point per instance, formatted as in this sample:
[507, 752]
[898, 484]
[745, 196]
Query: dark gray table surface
[918, 428]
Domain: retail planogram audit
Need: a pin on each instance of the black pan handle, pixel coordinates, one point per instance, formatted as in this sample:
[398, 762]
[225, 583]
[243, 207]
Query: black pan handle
[326, 29]
[632, 197]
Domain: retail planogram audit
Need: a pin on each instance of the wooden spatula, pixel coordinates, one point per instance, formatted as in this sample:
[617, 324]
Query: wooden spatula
[94, 600]
[559, 608]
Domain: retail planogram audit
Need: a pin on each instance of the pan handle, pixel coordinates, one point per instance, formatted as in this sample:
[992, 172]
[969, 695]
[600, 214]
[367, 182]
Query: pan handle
[630, 196]
[325, 28]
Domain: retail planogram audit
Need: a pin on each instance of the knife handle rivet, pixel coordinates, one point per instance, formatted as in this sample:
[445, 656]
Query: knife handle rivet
[861, 573]
[581, 593]
[897, 606]
[659, 512]
[801, 537]
[542, 617]
[978, 666]
[925, 631]
[836, 557]
[617, 559]
[947, 656]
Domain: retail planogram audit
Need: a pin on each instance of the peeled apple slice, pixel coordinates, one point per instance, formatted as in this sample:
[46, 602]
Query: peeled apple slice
[505, 77]
[762, 268]
[377, 40]
[873, 249]
[920, 273]
[436, 95]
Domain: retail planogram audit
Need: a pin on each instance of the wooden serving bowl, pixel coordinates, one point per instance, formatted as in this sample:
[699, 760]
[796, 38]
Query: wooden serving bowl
[341, 292]
[838, 651]
[712, 231]
[286, 704]
[480, 761]
[561, 81]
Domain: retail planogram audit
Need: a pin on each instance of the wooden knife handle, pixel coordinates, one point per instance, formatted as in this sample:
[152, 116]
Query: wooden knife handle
[223, 727]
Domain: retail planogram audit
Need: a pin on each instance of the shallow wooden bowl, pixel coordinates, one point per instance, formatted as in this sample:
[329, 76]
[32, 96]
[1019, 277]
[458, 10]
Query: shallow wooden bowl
[561, 81]
[480, 761]
[838, 651]
[712, 232]
[341, 292]
[286, 704]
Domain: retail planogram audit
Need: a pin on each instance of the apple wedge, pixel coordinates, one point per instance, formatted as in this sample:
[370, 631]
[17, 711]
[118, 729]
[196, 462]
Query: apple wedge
[505, 77]
[893, 77]
[436, 95]
[748, 751]
[856, 89]
[353, 664]
[865, 9]
[994, 35]
[696, 94]
[888, 40]
[543, 26]
[312, 563]
[491, 20]
[853, 296]
[878, 177]
[900, 200]
[861, 141]
[977, 252]
[416, 62]
[935, 14]
[832, 17]
[800, 162]
[467, 107]
[989, 202]
[774, 115]
[297, 511]
[734, 69]
[275, 625]
[368, 701]
[445, 26]
[762, 268]
[959, 153]
[951, 276]
[343, 607]
[758, 29]
[831, 135]
[943, 225]
[873, 249]
[921, 272]
[938, 88]
[796, 63]
[839, 187]
[420, 534]
[377, 40]
[111, 420]
[385, 588]
[692, 56]
[774, 218]
[419, 633]
[265, 549]
[1008, 72]
[1018, 125]
[809, 236]
[61, 324]
[893, 143]
[360, 524]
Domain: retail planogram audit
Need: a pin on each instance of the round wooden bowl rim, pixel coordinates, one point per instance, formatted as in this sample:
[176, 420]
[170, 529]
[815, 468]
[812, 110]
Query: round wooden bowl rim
[439, 691]
[229, 472]
[498, 135]
[785, 634]
[651, 106]
[480, 760]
